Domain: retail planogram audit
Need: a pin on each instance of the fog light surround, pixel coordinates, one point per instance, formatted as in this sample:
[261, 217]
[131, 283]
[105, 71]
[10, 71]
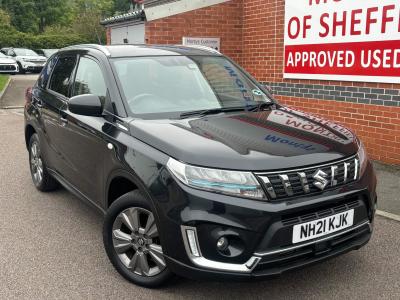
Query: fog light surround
[193, 251]
[193, 244]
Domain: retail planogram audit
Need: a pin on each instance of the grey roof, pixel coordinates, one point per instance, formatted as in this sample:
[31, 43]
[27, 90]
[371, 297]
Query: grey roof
[145, 50]
[138, 14]
[131, 16]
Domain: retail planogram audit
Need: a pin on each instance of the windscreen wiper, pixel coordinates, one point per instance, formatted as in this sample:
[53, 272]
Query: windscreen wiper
[214, 111]
[260, 106]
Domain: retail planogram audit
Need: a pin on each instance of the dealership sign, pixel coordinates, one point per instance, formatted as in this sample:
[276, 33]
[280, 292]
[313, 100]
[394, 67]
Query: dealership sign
[214, 43]
[354, 40]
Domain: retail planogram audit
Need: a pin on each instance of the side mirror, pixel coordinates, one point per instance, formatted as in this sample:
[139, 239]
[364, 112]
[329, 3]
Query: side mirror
[86, 105]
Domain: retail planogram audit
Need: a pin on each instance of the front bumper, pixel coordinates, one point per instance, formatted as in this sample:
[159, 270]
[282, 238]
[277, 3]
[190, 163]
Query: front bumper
[9, 68]
[261, 231]
[32, 67]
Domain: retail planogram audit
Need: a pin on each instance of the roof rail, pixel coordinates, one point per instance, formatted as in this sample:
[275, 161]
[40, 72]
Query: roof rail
[91, 46]
[205, 48]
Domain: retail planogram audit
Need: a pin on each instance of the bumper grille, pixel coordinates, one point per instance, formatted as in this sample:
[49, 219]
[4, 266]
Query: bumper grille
[294, 183]
[7, 68]
[320, 214]
[299, 257]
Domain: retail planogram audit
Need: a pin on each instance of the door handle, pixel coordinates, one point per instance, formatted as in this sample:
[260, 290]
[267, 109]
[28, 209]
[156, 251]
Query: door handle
[38, 102]
[63, 119]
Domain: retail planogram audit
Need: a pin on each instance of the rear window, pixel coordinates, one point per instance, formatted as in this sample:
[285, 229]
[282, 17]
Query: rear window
[62, 75]
[46, 72]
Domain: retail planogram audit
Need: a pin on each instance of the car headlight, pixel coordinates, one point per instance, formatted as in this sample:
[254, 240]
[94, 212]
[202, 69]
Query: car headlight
[236, 183]
[362, 157]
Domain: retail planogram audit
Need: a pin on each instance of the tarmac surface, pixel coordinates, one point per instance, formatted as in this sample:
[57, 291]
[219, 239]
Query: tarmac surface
[51, 248]
[14, 95]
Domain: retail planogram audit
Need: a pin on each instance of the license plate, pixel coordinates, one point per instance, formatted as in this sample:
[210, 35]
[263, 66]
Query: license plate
[321, 227]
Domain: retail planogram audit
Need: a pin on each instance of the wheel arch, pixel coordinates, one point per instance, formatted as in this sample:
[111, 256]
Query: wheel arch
[121, 182]
[29, 131]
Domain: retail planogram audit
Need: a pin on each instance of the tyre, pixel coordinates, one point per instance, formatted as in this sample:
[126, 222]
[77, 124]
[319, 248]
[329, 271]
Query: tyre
[42, 180]
[132, 241]
[21, 70]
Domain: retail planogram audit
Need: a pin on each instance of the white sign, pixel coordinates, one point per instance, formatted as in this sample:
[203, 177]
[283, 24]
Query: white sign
[354, 40]
[214, 43]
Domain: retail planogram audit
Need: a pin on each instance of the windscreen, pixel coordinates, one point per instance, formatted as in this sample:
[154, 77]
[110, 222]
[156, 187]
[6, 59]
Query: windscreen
[171, 85]
[50, 52]
[25, 52]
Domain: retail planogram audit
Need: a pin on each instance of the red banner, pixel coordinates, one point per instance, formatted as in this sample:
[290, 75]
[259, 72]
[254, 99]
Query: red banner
[380, 58]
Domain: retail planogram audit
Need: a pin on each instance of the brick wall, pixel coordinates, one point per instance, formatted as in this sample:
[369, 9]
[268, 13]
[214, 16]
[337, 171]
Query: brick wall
[108, 35]
[223, 20]
[372, 110]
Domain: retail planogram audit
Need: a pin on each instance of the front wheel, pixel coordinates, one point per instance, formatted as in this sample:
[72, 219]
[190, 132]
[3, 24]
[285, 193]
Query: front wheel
[21, 70]
[132, 242]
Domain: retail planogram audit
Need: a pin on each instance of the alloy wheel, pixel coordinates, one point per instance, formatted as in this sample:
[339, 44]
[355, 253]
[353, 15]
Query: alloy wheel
[136, 242]
[36, 163]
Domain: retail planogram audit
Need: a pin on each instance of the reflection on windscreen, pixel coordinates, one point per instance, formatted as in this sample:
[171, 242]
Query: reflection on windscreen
[177, 83]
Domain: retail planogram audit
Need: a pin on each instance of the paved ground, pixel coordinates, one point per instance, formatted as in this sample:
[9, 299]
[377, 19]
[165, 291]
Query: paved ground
[15, 94]
[388, 188]
[51, 248]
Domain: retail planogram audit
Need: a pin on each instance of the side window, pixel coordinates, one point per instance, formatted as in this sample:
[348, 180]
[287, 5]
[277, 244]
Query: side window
[89, 79]
[62, 75]
[46, 72]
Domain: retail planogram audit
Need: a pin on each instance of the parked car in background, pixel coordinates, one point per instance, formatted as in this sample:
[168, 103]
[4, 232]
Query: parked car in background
[46, 52]
[8, 65]
[28, 60]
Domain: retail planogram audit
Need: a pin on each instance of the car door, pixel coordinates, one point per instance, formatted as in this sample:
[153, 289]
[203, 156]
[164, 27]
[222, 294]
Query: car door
[48, 98]
[82, 142]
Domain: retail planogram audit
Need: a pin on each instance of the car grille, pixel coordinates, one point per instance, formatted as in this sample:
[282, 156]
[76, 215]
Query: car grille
[299, 182]
[7, 68]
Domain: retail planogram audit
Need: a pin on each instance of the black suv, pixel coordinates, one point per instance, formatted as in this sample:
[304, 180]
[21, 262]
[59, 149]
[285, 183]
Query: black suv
[197, 169]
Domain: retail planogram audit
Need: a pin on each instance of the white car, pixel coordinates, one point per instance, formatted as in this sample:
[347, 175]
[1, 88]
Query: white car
[28, 60]
[8, 65]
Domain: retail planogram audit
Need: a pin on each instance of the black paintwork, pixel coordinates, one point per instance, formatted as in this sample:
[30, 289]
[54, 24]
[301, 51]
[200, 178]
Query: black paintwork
[75, 149]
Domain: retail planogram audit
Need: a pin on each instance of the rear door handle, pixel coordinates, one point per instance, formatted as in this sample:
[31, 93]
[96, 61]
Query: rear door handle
[63, 119]
[38, 102]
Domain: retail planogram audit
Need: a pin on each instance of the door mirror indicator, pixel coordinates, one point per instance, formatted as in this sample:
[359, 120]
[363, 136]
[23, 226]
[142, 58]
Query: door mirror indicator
[86, 105]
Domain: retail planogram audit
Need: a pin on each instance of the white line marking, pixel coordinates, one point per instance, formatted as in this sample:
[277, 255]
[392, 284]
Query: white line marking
[388, 215]
[12, 107]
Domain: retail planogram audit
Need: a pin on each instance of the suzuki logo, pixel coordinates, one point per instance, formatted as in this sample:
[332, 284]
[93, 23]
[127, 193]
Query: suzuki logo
[321, 180]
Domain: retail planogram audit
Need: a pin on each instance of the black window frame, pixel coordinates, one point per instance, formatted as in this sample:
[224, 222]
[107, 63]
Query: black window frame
[107, 106]
[72, 88]
[60, 56]
[45, 86]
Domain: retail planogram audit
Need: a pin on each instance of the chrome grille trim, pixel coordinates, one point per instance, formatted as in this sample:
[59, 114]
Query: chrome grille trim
[299, 182]
[269, 187]
[307, 168]
[286, 184]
